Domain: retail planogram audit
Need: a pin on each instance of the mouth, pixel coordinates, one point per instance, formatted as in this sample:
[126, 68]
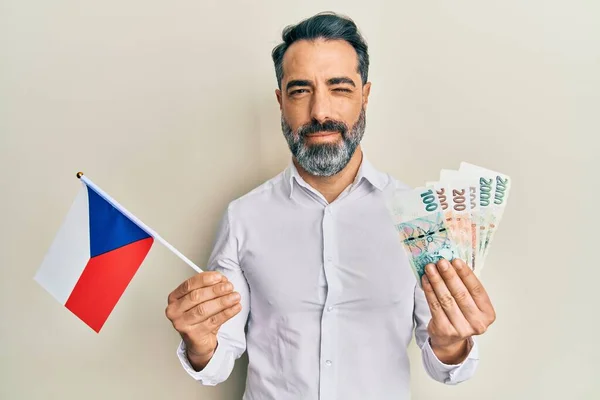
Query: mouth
[323, 134]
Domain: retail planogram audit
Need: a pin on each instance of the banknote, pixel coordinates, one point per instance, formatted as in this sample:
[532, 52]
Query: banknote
[421, 225]
[485, 192]
[454, 217]
[442, 190]
[459, 185]
[497, 189]
[461, 228]
[455, 204]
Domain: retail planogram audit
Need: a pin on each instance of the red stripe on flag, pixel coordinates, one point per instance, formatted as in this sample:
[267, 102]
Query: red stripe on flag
[104, 280]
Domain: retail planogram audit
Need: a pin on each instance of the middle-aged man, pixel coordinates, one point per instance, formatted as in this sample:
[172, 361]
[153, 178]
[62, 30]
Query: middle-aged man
[307, 273]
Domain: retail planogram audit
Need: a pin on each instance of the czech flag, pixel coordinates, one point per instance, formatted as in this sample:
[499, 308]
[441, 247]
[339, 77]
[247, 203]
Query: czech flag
[95, 254]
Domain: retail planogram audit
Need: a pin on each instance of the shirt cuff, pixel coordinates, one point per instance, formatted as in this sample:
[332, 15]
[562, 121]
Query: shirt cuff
[451, 373]
[211, 374]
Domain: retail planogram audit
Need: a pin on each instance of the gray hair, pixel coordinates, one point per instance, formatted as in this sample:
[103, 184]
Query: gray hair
[328, 26]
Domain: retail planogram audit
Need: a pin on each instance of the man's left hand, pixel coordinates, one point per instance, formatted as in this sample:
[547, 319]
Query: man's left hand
[460, 309]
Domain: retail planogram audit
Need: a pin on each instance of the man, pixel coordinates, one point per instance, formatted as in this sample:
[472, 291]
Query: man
[307, 273]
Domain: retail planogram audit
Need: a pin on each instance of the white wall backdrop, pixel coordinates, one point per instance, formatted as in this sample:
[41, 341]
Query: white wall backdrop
[170, 108]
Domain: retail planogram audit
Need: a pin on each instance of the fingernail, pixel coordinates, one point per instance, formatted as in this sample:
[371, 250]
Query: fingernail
[234, 296]
[430, 268]
[443, 265]
[215, 278]
[458, 264]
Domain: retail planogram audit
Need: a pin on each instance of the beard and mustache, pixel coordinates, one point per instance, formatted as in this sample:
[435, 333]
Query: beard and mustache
[324, 159]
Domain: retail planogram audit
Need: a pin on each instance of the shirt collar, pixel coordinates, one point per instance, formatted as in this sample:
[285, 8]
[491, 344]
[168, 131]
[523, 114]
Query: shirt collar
[366, 171]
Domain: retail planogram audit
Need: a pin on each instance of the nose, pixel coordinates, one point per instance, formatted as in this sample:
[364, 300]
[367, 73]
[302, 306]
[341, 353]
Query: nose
[320, 106]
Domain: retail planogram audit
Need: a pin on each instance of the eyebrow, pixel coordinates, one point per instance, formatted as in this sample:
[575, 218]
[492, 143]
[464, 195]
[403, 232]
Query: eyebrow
[341, 79]
[332, 81]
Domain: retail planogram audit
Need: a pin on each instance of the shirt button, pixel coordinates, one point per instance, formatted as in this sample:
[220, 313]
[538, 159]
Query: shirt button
[328, 362]
[330, 308]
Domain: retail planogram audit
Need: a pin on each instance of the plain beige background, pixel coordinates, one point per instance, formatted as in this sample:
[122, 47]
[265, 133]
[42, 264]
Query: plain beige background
[170, 108]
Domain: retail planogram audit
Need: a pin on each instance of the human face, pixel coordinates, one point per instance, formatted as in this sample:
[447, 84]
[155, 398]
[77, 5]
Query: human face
[323, 104]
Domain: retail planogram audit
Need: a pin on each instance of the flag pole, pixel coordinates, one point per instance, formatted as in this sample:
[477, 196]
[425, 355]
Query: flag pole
[137, 221]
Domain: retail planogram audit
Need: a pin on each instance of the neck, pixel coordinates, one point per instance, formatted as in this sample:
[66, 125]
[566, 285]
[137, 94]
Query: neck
[332, 186]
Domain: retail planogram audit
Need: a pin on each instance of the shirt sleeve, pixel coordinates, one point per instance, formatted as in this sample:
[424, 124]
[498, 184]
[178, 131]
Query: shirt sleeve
[448, 374]
[231, 337]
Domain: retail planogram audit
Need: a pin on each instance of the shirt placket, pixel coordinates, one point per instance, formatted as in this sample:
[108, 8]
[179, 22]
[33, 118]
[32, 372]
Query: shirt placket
[328, 353]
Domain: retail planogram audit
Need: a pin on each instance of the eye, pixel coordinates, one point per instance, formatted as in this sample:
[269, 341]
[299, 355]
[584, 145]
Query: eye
[343, 90]
[298, 91]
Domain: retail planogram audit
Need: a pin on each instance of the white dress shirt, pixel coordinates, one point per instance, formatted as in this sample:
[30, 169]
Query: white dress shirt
[329, 301]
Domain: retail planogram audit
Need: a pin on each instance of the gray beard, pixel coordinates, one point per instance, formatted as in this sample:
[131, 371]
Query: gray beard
[325, 159]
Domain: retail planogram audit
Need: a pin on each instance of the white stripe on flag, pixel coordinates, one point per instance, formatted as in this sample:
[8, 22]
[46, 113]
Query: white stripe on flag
[69, 253]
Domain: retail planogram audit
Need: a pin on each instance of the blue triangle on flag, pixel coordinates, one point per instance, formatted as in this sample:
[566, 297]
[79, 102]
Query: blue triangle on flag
[109, 228]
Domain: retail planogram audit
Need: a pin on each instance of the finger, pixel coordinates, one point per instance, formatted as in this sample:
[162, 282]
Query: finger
[202, 295]
[437, 312]
[204, 311]
[447, 302]
[458, 290]
[195, 282]
[219, 319]
[474, 286]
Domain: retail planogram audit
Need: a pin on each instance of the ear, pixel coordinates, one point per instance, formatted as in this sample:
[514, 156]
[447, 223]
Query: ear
[366, 92]
[278, 94]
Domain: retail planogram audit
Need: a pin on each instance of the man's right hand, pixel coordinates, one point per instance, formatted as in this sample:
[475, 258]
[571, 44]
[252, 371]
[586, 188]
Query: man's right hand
[197, 308]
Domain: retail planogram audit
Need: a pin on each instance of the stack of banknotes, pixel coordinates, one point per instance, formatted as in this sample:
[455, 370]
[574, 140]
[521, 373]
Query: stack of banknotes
[455, 217]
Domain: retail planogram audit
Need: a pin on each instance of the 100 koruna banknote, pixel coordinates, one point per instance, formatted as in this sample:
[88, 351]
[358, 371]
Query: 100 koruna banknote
[421, 225]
